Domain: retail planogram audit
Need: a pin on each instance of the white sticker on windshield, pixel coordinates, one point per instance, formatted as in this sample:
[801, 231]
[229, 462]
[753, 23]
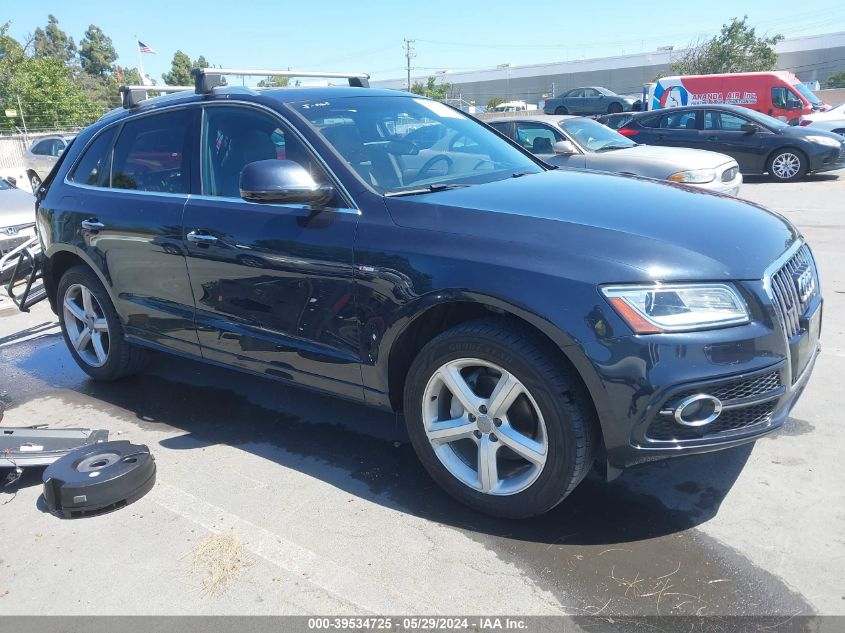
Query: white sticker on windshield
[440, 109]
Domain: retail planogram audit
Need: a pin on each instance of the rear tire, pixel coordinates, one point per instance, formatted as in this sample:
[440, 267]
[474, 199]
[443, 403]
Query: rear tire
[92, 329]
[561, 110]
[614, 108]
[787, 165]
[516, 456]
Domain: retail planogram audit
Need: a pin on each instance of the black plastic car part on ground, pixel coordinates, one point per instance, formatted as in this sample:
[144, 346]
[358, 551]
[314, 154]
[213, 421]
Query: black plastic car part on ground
[98, 478]
[759, 143]
[387, 249]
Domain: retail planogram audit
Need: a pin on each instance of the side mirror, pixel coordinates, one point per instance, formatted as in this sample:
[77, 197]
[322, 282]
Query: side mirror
[749, 128]
[283, 182]
[564, 148]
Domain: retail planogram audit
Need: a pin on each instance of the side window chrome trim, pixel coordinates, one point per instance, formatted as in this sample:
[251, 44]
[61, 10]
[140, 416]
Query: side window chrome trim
[347, 210]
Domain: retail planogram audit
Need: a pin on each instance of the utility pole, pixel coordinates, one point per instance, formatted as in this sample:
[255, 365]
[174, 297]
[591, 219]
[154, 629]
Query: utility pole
[23, 120]
[410, 53]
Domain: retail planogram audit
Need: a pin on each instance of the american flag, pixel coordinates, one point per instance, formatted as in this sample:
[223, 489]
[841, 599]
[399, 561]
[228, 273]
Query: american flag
[144, 48]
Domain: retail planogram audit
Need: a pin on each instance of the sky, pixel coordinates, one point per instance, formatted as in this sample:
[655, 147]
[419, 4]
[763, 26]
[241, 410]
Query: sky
[368, 35]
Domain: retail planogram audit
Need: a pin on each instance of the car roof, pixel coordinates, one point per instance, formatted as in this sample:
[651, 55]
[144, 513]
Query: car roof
[707, 106]
[290, 94]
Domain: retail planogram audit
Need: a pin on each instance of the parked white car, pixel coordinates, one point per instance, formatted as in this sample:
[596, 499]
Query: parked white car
[17, 221]
[832, 120]
[42, 155]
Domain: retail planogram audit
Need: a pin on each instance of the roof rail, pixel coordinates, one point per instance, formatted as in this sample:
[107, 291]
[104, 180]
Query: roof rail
[206, 79]
[133, 95]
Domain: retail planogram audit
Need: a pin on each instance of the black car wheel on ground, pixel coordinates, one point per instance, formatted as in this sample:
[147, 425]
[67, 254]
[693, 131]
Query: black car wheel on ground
[561, 110]
[614, 108]
[92, 329]
[497, 422]
[787, 165]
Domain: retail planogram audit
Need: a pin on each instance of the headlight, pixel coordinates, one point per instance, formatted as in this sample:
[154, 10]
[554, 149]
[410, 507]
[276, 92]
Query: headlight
[694, 176]
[654, 308]
[824, 140]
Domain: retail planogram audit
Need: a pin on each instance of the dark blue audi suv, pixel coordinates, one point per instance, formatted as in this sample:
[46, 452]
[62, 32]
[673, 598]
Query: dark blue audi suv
[382, 247]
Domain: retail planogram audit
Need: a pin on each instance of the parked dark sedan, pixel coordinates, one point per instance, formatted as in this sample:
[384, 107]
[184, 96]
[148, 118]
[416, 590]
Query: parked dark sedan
[759, 143]
[527, 321]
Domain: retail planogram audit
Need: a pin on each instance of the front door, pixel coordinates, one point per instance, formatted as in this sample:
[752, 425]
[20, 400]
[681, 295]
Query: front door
[723, 133]
[273, 283]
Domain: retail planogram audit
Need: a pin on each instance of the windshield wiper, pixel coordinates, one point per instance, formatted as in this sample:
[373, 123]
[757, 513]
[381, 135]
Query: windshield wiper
[429, 189]
[608, 148]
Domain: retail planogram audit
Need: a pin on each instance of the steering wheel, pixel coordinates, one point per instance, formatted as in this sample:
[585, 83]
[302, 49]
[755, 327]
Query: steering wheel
[431, 162]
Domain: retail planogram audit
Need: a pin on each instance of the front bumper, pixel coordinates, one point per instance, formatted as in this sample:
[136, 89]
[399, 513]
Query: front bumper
[757, 371]
[10, 242]
[829, 161]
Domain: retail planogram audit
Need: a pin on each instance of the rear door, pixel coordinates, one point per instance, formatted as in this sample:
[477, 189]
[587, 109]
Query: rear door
[678, 128]
[137, 178]
[273, 283]
[574, 101]
[723, 133]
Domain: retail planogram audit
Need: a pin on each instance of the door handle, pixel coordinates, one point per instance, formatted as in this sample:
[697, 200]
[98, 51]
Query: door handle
[92, 224]
[200, 238]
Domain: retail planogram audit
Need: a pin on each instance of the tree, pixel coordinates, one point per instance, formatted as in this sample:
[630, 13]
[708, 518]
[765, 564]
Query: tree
[274, 82]
[53, 42]
[494, 101]
[9, 46]
[96, 52]
[180, 70]
[49, 96]
[431, 89]
[837, 80]
[737, 49]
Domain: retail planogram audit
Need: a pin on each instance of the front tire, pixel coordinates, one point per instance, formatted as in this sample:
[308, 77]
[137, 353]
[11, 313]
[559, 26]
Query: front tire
[92, 329]
[499, 424]
[614, 108]
[561, 110]
[787, 165]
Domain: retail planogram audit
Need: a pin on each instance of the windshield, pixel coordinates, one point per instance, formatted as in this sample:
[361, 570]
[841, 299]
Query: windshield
[807, 94]
[4, 185]
[593, 136]
[403, 143]
[763, 119]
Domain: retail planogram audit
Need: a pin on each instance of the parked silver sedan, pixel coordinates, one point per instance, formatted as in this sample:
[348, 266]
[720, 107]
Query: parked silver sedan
[580, 142]
[42, 155]
[17, 221]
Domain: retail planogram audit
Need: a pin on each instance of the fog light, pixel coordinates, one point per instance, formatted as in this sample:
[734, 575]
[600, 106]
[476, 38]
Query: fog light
[698, 410]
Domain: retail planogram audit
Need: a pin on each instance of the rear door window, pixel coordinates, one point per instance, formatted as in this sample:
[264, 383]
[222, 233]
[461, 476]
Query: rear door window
[94, 166]
[151, 153]
[679, 121]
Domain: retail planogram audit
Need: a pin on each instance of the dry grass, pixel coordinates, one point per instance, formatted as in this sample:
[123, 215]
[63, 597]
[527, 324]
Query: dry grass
[218, 559]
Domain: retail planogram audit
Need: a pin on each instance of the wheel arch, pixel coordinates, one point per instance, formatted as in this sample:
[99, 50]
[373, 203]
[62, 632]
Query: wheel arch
[794, 148]
[445, 311]
[61, 259]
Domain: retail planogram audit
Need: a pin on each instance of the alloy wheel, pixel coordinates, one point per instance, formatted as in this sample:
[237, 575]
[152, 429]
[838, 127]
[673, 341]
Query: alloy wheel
[485, 427]
[87, 327]
[34, 182]
[786, 165]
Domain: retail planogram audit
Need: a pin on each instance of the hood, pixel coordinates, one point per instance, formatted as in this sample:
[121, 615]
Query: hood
[641, 229]
[16, 207]
[803, 132]
[679, 158]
